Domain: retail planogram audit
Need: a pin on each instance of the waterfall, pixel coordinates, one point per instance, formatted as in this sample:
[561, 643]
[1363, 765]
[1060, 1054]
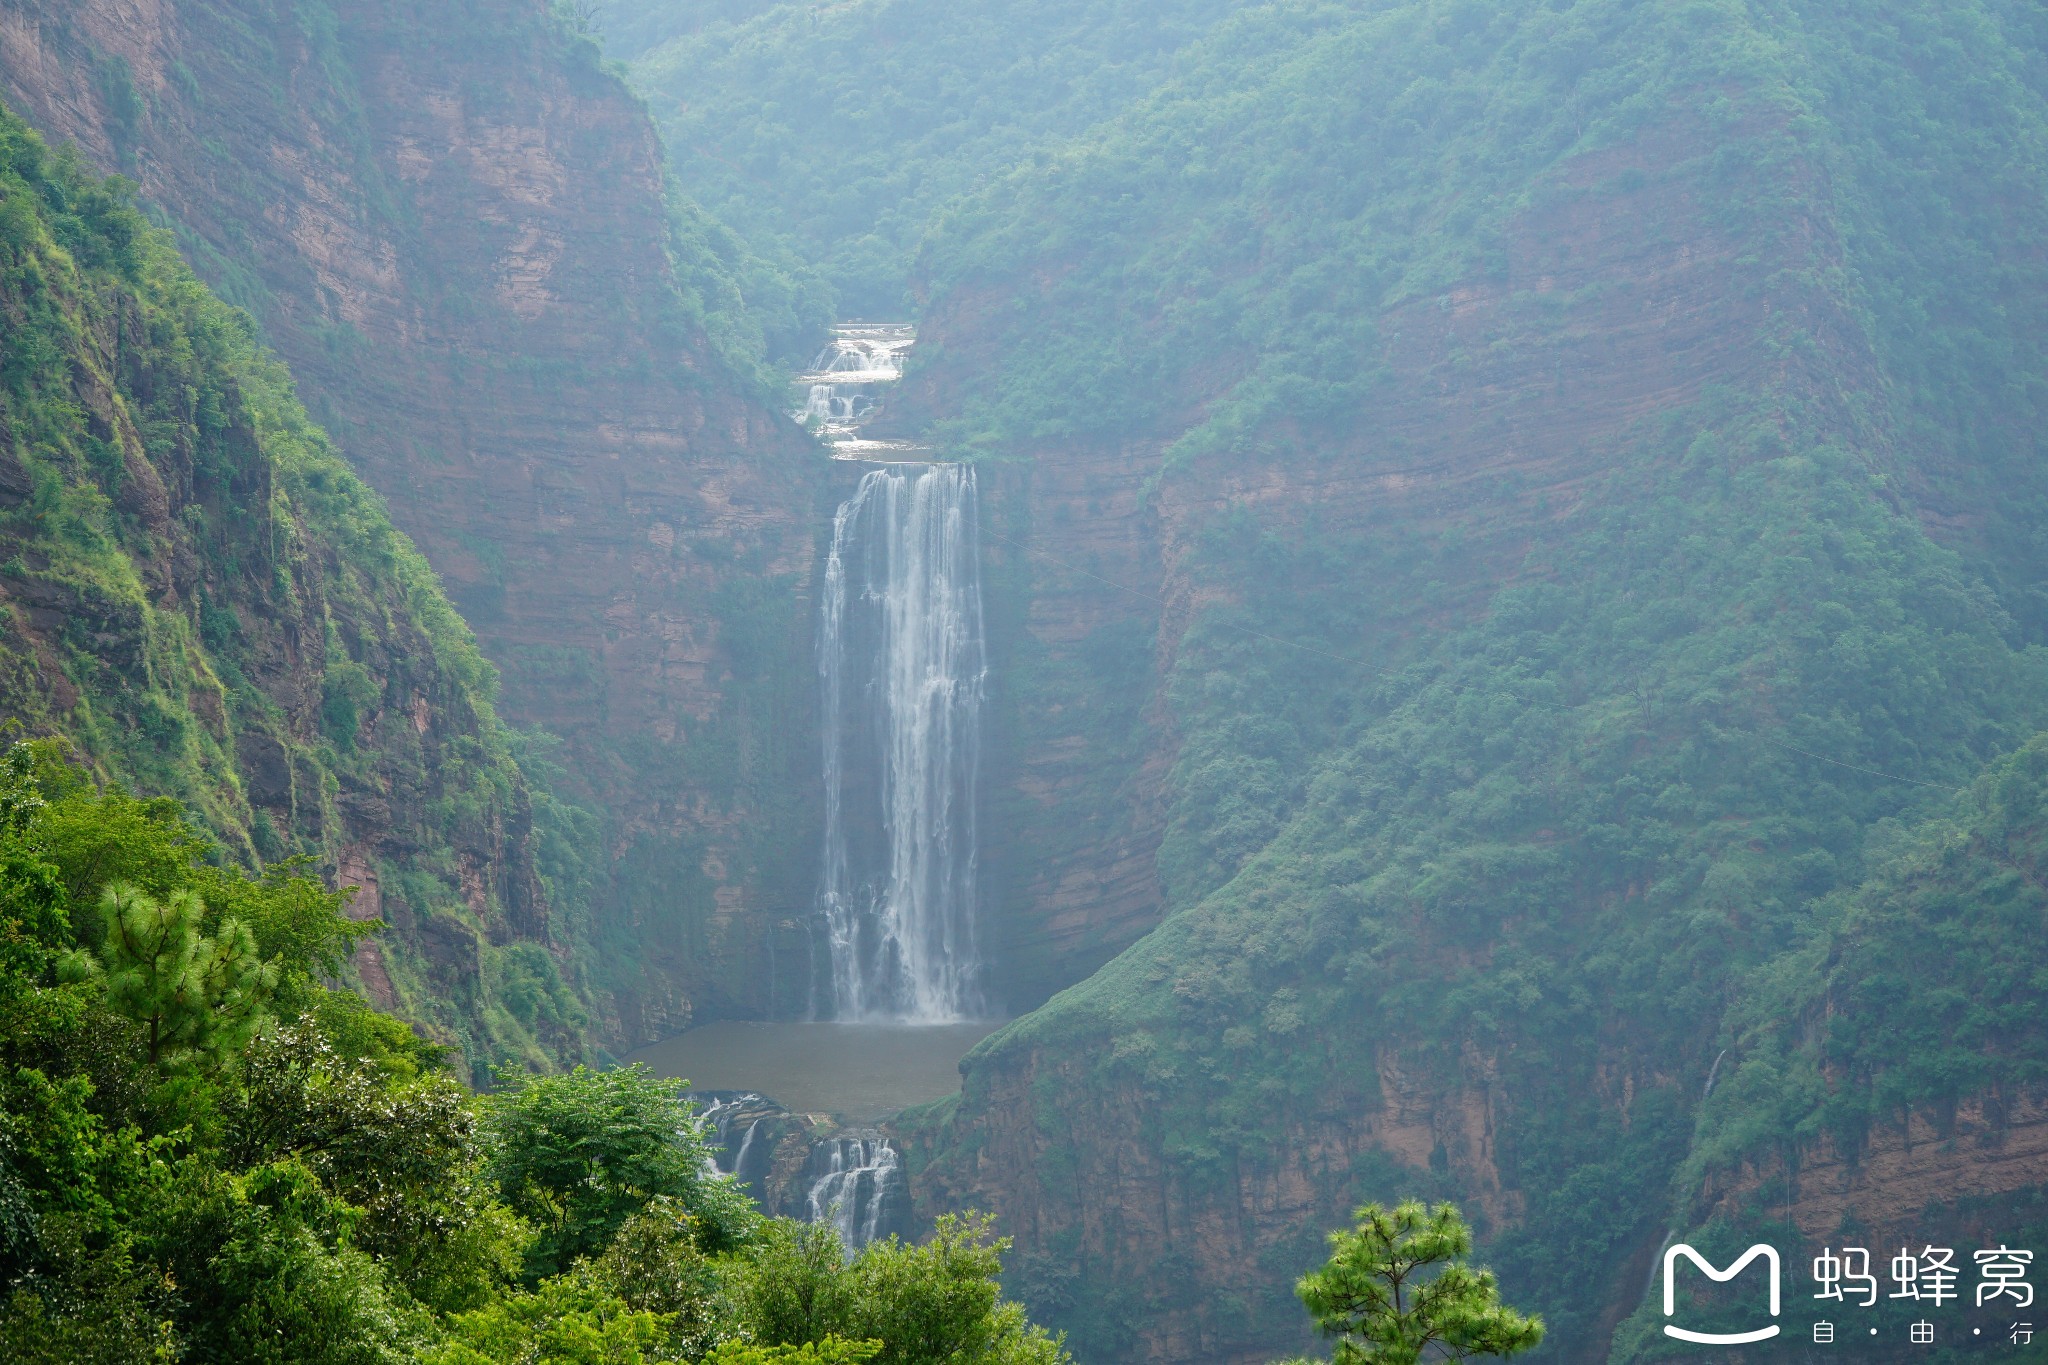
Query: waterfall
[857, 1186]
[843, 389]
[900, 660]
[739, 1161]
[852, 1180]
[709, 1123]
[741, 1130]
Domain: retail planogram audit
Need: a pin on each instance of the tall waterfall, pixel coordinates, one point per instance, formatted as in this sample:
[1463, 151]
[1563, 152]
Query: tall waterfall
[901, 662]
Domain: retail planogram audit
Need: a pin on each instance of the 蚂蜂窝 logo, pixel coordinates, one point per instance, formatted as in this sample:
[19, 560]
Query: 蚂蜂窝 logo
[1770, 1256]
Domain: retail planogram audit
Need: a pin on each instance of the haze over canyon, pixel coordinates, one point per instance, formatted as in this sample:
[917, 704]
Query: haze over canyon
[1152, 618]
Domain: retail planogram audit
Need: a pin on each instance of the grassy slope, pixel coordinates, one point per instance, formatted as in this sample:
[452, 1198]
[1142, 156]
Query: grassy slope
[209, 605]
[1554, 838]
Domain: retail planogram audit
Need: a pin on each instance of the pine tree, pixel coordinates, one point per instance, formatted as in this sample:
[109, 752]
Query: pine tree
[1378, 1297]
[195, 996]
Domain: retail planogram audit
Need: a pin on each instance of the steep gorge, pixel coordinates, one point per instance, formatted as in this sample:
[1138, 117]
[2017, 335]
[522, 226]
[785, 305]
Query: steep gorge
[1498, 529]
[454, 229]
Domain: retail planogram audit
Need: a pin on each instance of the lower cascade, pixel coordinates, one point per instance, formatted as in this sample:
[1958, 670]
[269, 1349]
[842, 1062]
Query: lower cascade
[857, 1185]
[901, 661]
[853, 1179]
[741, 1130]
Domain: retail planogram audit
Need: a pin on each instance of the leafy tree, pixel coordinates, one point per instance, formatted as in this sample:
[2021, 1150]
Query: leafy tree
[580, 1153]
[401, 1150]
[790, 1284]
[267, 1271]
[93, 839]
[655, 1265]
[297, 922]
[939, 1303]
[99, 839]
[1378, 1296]
[830, 1351]
[86, 1304]
[31, 889]
[194, 995]
[571, 1319]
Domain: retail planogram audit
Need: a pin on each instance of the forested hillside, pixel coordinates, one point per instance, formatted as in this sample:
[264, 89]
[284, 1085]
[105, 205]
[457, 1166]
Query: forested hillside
[1884, 1070]
[208, 1155]
[205, 605]
[1510, 546]
[832, 136]
[1570, 437]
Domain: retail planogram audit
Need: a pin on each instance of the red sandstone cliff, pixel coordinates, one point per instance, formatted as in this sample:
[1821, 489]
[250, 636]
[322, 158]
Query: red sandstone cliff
[1622, 298]
[452, 227]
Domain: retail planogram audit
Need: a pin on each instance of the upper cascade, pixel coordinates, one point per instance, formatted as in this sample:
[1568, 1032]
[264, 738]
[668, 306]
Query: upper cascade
[843, 389]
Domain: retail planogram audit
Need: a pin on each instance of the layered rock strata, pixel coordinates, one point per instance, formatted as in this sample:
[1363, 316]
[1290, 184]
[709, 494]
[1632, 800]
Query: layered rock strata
[454, 230]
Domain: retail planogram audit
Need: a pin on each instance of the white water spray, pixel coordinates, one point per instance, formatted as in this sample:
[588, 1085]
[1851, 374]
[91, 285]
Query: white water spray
[843, 389]
[856, 1184]
[901, 662]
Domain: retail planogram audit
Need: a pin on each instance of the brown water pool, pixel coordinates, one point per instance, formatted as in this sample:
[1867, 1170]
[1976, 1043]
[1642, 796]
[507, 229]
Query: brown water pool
[860, 1072]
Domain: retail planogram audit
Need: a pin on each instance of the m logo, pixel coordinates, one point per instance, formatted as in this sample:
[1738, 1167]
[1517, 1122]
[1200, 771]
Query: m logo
[1770, 1255]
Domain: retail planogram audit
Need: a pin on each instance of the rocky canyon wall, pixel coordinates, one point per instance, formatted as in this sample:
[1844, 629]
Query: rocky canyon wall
[1507, 401]
[1326, 604]
[1078, 741]
[452, 225]
[202, 603]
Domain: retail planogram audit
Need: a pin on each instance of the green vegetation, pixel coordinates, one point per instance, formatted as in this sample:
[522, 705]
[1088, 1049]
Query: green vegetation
[1396, 1291]
[198, 595]
[1533, 749]
[206, 1154]
[766, 314]
[195, 997]
[1502, 788]
[835, 135]
[1312, 166]
[1907, 997]
[580, 1153]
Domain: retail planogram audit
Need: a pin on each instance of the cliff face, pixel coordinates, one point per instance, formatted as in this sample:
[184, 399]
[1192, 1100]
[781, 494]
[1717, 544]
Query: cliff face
[1471, 598]
[1502, 399]
[202, 599]
[1889, 1187]
[1146, 1257]
[1075, 808]
[453, 228]
[1506, 405]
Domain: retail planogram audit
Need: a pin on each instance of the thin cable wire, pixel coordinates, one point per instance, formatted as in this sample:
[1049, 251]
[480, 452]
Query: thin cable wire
[1388, 673]
[1823, 758]
[1161, 602]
